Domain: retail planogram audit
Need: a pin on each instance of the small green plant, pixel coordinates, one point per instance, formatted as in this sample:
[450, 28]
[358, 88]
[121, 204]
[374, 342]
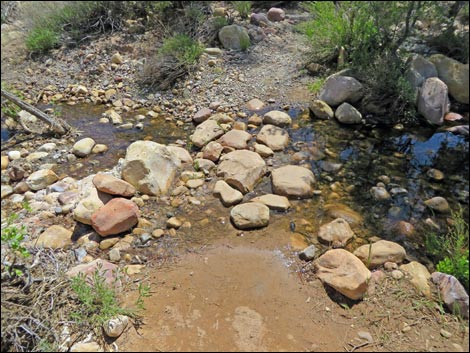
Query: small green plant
[450, 250]
[316, 85]
[244, 43]
[98, 299]
[144, 292]
[243, 8]
[14, 235]
[219, 22]
[41, 40]
[183, 48]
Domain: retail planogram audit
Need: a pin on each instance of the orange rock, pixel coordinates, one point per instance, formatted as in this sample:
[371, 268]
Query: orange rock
[117, 216]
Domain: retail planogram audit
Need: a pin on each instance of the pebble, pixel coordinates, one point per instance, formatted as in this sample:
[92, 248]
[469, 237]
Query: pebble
[445, 333]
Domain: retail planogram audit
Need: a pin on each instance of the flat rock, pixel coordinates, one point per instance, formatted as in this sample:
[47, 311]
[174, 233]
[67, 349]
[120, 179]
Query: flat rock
[380, 252]
[293, 181]
[228, 195]
[207, 131]
[274, 202]
[112, 185]
[250, 215]
[105, 268]
[237, 139]
[277, 118]
[274, 137]
[202, 115]
[254, 104]
[338, 210]
[55, 237]
[344, 272]
[438, 204]
[212, 151]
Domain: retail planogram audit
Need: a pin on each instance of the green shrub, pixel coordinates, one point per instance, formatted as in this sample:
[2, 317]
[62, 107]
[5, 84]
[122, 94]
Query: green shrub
[183, 48]
[450, 250]
[243, 8]
[41, 40]
[371, 33]
[98, 300]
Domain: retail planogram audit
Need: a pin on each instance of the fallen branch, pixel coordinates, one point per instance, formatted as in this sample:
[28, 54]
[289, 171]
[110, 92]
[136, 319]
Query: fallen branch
[60, 127]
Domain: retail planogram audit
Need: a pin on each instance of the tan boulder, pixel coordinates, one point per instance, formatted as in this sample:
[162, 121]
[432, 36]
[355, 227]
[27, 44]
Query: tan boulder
[274, 137]
[293, 181]
[41, 179]
[250, 215]
[228, 195]
[380, 252]
[420, 277]
[344, 272]
[241, 169]
[55, 237]
[237, 139]
[274, 202]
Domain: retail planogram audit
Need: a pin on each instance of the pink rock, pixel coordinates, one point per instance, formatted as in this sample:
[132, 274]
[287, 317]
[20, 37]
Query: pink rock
[276, 14]
[452, 293]
[112, 185]
[453, 117]
[105, 268]
[117, 216]
[404, 228]
[202, 115]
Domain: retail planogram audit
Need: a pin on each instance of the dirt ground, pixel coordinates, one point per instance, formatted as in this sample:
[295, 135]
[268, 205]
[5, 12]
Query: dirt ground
[245, 294]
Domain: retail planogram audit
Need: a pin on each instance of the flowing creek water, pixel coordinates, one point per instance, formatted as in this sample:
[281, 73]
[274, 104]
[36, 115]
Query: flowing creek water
[346, 161]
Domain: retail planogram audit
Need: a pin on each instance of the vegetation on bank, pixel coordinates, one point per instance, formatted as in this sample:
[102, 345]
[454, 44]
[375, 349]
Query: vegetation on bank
[369, 38]
[449, 251]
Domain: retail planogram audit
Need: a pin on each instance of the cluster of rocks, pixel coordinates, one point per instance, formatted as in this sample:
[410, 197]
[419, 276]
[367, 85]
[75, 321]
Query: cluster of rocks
[432, 80]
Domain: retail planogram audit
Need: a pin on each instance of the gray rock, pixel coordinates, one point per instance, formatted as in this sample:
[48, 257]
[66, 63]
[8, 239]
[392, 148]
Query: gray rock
[339, 89]
[433, 101]
[234, 37]
[347, 114]
[308, 253]
[454, 74]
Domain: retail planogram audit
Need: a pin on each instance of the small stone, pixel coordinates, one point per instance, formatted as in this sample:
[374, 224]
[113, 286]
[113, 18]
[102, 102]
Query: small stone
[115, 327]
[158, 233]
[445, 333]
[174, 222]
[366, 336]
[308, 253]
[114, 255]
[397, 274]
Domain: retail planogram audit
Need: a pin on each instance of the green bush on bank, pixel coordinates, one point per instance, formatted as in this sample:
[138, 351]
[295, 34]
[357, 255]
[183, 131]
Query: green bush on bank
[372, 34]
[450, 250]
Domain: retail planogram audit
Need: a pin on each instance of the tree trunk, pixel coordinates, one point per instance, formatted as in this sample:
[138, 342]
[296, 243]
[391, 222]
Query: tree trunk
[60, 127]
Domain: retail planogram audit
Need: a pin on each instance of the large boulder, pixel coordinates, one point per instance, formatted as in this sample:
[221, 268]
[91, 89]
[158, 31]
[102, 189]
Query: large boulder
[278, 118]
[207, 131]
[293, 181]
[234, 37]
[274, 137]
[452, 293]
[150, 167]
[380, 252]
[336, 233]
[433, 101]
[112, 185]
[241, 169]
[344, 272]
[250, 215]
[117, 216]
[419, 70]
[338, 89]
[454, 74]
